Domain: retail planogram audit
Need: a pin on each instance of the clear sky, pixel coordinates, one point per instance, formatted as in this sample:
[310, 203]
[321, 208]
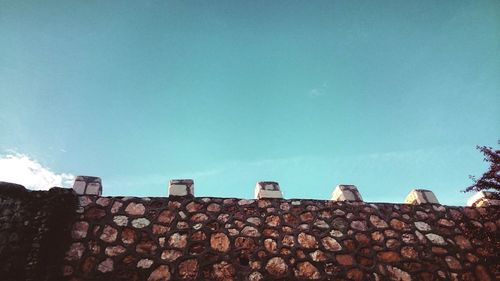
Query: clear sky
[386, 95]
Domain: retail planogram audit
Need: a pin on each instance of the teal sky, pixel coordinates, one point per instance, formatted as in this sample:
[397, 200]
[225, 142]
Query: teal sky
[386, 95]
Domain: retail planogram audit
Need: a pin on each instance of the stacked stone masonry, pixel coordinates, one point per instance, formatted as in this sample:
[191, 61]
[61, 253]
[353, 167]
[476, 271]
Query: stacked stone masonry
[192, 238]
[34, 232]
[234, 239]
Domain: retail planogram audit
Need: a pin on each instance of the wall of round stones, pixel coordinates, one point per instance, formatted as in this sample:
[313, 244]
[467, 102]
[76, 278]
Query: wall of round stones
[34, 232]
[231, 239]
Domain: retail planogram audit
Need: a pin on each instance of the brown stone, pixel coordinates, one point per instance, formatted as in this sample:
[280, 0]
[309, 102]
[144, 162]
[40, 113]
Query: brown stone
[378, 236]
[270, 245]
[213, 207]
[198, 236]
[244, 243]
[166, 217]
[112, 251]
[290, 219]
[344, 259]
[463, 242]
[349, 244]
[273, 221]
[177, 240]
[193, 207]
[135, 209]
[79, 230]
[105, 266]
[339, 223]
[399, 225]
[250, 231]
[362, 239]
[318, 256]
[219, 242]
[75, 252]
[378, 222]
[270, 232]
[392, 243]
[359, 225]
[116, 207]
[321, 224]
[223, 271]
[146, 247]
[254, 220]
[161, 273]
[95, 213]
[331, 244]
[288, 240]
[355, 274]
[277, 267]
[103, 201]
[159, 229]
[306, 217]
[409, 252]
[170, 255]
[89, 264]
[128, 259]
[307, 241]
[305, 270]
[388, 256]
[109, 234]
[439, 250]
[188, 269]
[445, 222]
[199, 217]
[453, 263]
[128, 236]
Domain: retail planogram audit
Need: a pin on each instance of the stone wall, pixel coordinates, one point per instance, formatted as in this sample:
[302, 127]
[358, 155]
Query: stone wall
[187, 238]
[34, 232]
[57, 235]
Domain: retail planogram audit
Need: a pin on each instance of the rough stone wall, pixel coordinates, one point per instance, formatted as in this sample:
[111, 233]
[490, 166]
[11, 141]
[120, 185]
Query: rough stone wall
[186, 238]
[34, 231]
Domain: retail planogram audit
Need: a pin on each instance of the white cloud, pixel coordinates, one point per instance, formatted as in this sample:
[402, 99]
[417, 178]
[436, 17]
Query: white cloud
[21, 169]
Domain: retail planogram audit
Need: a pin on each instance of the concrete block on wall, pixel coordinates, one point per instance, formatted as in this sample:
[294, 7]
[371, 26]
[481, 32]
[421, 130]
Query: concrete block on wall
[346, 192]
[484, 199]
[421, 196]
[87, 185]
[267, 189]
[181, 187]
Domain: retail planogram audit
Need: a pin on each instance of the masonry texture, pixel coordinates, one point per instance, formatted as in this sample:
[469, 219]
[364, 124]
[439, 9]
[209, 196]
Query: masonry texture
[193, 238]
[34, 231]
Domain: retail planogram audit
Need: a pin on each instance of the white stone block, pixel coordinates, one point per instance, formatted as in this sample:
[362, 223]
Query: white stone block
[421, 196]
[267, 189]
[87, 185]
[484, 199]
[344, 192]
[79, 187]
[182, 187]
[93, 188]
